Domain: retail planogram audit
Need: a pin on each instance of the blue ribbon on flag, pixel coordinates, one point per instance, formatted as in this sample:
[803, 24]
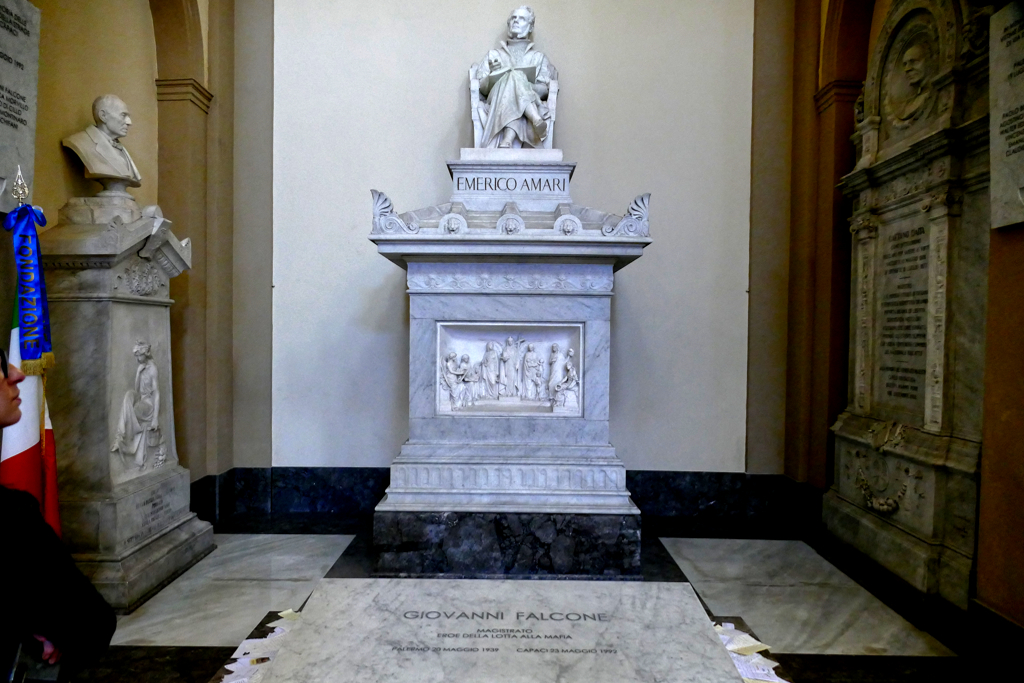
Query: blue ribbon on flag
[33, 310]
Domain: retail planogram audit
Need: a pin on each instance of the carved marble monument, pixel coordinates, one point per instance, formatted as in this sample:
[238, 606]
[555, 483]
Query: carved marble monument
[508, 466]
[124, 497]
[907, 447]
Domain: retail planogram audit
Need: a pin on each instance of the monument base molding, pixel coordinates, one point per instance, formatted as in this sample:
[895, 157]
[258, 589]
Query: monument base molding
[928, 567]
[130, 580]
[481, 544]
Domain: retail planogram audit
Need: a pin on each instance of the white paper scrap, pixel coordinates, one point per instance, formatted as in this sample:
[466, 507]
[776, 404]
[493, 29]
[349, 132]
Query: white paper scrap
[752, 669]
[256, 647]
[290, 615]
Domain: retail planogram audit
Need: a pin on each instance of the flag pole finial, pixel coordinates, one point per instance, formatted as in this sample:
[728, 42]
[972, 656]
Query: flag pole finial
[20, 189]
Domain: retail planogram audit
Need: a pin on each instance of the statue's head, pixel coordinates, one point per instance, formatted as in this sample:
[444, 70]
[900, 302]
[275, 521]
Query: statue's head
[510, 341]
[915, 64]
[111, 115]
[520, 22]
[529, 347]
[554, 347]
[142, 351]
[570, 353]
[465, 358]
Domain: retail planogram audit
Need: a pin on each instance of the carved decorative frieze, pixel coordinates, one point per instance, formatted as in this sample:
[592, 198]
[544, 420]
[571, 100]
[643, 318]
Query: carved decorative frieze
[517, 477]
[141, 279]
[509, 283]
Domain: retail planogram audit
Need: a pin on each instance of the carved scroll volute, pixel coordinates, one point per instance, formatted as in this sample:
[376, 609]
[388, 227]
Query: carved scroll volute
[911, 83]
[385, 220]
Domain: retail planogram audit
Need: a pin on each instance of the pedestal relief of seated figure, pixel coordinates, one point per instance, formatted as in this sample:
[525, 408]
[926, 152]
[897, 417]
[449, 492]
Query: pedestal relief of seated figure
[100, 149]
[515, 80]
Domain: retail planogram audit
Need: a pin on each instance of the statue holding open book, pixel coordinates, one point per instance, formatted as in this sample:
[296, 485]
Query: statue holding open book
[516, 81]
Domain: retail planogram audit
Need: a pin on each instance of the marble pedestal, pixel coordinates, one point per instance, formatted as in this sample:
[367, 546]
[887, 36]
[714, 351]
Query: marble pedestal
[510, 284]
[125, 517]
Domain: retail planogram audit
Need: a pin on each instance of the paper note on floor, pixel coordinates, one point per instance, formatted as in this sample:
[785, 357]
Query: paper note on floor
[738, 641]
[752, 669]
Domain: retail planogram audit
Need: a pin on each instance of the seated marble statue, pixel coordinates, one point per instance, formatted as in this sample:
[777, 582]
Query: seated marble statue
[99, 147]
[138, 428]
[515, 79]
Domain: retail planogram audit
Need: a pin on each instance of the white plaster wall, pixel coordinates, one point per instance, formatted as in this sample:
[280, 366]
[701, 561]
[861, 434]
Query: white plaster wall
[656, 97]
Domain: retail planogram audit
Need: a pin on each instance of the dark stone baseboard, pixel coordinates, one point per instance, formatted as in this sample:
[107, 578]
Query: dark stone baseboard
[478, 544]
[259, 494]
[693, 504]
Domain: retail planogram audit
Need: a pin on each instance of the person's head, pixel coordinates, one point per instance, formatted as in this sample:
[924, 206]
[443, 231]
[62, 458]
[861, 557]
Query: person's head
[510, 341]
[142, 351]
[914, 64]
[111, 115]
[10, 402]
[452, 355]
[570, 353]
[554, 348]
[520, 22]
[465, 358]
[529, 347]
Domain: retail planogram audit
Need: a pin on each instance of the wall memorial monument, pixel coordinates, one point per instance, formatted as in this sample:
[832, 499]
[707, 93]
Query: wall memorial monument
[508, 467]
[907, 447]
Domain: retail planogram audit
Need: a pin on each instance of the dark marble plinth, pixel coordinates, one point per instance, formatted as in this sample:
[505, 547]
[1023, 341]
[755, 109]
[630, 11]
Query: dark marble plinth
[489, 544]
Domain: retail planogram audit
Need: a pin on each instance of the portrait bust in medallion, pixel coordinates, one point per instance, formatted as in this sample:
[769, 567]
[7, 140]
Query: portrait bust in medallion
[910, 91]
[100, 149]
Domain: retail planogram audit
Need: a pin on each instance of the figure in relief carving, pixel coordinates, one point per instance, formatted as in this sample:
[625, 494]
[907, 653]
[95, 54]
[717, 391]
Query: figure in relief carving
[451, 379]
[489, 370]
[556, 369]
[100, 149]
[515, 79]
[908, 94]
[508, 374]
[570, 384]
[533, 374]
[138, 428]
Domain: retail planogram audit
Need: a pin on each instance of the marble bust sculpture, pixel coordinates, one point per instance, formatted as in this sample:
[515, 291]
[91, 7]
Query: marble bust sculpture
[100, 149]
[514, 78]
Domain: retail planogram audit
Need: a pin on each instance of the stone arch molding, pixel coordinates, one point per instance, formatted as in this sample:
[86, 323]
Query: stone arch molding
[911, 79]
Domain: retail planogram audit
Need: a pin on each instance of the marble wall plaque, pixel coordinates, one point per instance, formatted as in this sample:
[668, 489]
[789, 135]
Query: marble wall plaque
[430, 630]
[19, 72]
[1006, 122]
[903, 319]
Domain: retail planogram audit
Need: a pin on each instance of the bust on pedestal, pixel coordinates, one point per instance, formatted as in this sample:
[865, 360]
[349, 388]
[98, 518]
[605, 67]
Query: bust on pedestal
[508, 468]
[124, 497]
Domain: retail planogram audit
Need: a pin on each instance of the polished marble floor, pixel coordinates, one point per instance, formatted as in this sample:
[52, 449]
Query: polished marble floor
[223, 597]
[818, 620]
[794, 600]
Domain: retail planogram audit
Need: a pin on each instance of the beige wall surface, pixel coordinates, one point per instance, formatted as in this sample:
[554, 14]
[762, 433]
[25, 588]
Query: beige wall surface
[87, 49]
[656, 97]
[771, 171]
[252, 244]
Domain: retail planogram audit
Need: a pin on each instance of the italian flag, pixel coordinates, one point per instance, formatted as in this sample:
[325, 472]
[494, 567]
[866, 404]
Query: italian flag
[28, 457]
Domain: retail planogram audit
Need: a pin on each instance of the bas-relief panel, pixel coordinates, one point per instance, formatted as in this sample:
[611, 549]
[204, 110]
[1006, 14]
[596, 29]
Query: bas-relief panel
[509, 369]
[899, 490]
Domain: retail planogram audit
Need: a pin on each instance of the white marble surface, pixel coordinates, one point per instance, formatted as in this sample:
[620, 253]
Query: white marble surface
[223, 597]
[373, 630]
[794, 600]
